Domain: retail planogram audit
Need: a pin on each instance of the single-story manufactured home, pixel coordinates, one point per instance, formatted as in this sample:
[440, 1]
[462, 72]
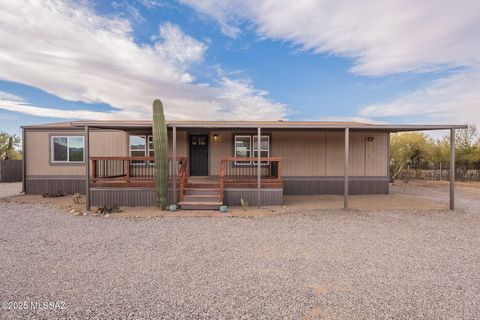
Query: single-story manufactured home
[211, 162]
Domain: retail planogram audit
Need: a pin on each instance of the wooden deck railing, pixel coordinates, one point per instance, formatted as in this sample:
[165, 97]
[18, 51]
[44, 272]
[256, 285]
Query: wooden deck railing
[129, 170]
[182, 178]
[244, 170]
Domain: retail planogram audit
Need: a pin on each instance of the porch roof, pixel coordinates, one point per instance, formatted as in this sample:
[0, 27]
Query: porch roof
[302, 125]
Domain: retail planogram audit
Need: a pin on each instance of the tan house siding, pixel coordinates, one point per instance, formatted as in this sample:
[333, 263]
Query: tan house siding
[303, 153]
[220, 149]
[102, 143]
[322, 153]
[334, 154]
[356, 161]
[38, 155]
[108, 144]
[182, 150]
[376, 155]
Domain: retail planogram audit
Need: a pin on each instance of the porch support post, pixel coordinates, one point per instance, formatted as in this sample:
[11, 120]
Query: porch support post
[452, 169]
[259, 172]
[174, 165]
[24, 162]
[87, 165]
[345, 182]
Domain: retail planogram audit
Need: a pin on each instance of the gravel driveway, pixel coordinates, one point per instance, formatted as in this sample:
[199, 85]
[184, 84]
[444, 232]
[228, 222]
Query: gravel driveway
[307, 265]
[8, 189]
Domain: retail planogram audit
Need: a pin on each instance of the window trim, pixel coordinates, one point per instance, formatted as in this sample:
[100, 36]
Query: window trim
[145, 149]
[242, 163]
[261, 150]
[52, 153]
[252, 151]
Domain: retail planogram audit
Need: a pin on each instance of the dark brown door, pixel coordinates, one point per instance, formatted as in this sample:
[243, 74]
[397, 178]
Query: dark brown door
[199, 155]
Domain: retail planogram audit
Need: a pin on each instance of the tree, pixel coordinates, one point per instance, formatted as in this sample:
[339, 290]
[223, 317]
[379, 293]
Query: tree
[407, 148]
[8, 142]
[467, 145]
[440, 151]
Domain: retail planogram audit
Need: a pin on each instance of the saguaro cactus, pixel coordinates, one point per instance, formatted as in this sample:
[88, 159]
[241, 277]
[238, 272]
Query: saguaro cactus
[160, 144]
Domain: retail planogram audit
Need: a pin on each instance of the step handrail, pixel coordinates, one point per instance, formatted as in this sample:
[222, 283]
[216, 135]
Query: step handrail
[182, 177]
[222, 179]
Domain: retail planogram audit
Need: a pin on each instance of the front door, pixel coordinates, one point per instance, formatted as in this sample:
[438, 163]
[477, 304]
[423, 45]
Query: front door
[199, 155]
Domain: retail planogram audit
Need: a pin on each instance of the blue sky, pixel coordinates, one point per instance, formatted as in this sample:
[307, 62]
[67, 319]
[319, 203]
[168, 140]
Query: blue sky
[208, 59]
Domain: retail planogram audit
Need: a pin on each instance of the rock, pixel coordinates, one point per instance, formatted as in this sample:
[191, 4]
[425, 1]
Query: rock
[85, 213]
[107, 215]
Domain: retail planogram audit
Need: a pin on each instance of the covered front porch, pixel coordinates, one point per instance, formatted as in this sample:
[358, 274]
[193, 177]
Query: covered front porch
[224, 162]
[130, 180]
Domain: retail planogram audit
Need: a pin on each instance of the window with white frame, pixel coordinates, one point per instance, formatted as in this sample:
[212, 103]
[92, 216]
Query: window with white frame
[67, 149]
[140, 146]
[137, 146]
[245, 148]
[264, 146]
[151, 152]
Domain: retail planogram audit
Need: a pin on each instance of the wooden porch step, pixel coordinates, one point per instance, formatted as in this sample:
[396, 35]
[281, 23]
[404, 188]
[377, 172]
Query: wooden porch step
[206, 196]
[201, 191]
[200, 205]
[202, 198]
[203, 185]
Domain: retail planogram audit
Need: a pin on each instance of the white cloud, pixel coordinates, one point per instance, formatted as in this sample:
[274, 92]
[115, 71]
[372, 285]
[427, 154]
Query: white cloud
[454, 99]
[14, 103]
[178, 49]
[69, 51]
[152, 4]
[383, 37]
[350, 119]
[225, 13]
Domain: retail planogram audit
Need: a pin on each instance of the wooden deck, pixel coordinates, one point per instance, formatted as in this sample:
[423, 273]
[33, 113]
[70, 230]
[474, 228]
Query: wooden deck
[139, 172]
[193, 192]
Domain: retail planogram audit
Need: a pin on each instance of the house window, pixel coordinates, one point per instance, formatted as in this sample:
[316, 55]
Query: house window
[138, 146]
[264, 146]
[67, 149]
[141, 146]
[151, 152]
[244, 147]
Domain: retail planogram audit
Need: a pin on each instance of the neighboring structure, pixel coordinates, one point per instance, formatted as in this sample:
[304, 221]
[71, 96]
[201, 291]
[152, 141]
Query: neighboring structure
[10, 170]
[216, 162]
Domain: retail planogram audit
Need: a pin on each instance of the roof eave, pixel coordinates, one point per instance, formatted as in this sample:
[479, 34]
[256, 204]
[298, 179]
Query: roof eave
[280, 125]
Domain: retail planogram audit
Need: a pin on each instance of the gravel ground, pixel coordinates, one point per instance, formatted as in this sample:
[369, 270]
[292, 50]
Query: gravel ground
[8, 189]
[316, 264]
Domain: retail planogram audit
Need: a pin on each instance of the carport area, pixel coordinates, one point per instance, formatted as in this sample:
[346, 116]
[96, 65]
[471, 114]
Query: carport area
[391, 201]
